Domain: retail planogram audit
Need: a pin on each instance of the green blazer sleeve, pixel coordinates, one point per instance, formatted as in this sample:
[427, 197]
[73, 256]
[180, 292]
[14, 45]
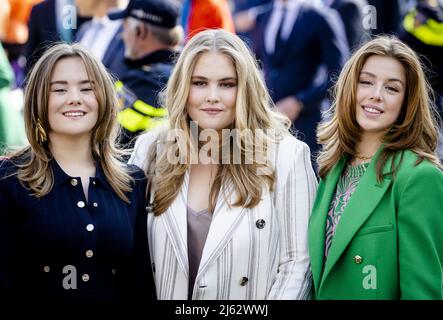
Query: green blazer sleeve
[420, 233]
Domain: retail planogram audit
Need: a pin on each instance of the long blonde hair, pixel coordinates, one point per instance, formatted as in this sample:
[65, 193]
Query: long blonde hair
[34, 165]
[415, 129]
[254, 110]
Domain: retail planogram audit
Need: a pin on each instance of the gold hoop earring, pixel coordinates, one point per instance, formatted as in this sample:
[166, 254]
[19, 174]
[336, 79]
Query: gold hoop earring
[40, 133]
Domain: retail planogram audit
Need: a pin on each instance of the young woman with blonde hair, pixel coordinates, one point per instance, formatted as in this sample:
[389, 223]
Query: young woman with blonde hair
[73, 217]
[229, 226]
[375, 230]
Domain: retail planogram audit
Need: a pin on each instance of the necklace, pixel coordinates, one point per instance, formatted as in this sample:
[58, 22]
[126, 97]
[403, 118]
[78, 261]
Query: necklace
[363, 158]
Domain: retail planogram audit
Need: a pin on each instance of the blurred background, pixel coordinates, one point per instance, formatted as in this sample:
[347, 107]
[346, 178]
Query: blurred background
[301, 46]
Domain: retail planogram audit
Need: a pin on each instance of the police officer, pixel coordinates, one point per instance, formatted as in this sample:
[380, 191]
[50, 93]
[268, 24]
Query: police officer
[151, 33]
[422, 29]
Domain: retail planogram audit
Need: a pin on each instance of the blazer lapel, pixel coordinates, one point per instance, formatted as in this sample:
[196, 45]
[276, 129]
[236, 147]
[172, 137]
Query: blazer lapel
[317, 223]
[175, 221]
[223, 225]
[365, 199]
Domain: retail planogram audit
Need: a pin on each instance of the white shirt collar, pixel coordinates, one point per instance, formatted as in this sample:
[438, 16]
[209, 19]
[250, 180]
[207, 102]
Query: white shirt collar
[290, 5]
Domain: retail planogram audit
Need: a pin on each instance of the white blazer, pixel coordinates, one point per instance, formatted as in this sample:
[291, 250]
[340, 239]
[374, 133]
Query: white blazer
[249, 254]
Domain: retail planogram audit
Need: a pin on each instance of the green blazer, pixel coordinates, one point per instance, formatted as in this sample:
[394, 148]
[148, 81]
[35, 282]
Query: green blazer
[389, 241]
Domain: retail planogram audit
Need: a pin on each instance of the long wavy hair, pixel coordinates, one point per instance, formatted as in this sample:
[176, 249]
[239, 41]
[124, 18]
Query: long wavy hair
[34, 165]
[415, 129]
[254, 111]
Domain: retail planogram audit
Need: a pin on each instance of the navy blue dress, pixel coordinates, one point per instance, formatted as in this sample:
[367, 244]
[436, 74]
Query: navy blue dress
[64, 248]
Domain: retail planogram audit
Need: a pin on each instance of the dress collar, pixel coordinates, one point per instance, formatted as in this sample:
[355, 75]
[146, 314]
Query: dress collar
[60, 176]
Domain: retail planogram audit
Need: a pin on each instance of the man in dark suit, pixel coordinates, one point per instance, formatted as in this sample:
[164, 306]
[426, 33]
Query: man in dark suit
[103, 36]
[301, 47]
[46, 27]
[244, 15]
[351, 13]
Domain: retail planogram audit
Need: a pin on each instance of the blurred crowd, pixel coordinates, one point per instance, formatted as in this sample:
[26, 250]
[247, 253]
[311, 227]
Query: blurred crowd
[301, 46]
